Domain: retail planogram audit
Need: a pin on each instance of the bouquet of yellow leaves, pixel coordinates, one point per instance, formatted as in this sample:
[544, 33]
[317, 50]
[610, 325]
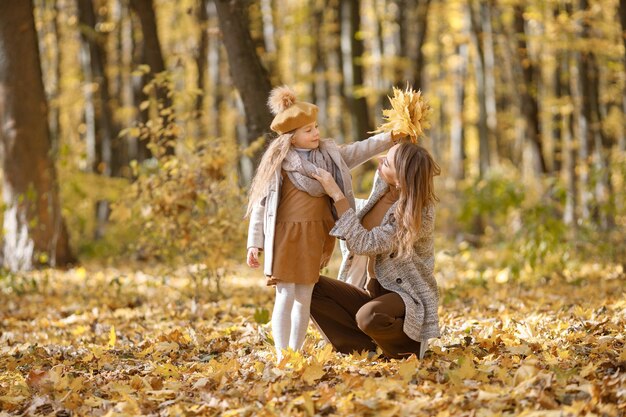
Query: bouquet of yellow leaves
[408, 114]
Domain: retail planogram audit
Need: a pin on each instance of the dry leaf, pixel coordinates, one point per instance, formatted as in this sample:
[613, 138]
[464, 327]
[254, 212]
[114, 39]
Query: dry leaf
[409, 114]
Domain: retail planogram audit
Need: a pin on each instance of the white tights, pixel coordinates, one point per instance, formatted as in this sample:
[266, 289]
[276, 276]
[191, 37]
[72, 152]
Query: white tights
[290, 317]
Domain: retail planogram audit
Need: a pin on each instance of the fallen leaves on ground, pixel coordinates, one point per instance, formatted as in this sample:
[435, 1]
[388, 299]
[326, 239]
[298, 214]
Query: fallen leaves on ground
[103, 342]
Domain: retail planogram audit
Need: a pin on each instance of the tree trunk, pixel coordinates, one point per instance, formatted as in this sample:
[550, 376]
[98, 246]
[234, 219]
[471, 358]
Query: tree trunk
[99, 115]
[577, 78]
[134, 147]
[530, 107]
[417, 55]
[560, 93]
[457, 140]
[319, 86]
[214, 59]
[247, 72]
[568, 148]
[152, 56]
[352, 47]
[105, 131]
[592, 150]
[490, 79]
[509, 75]
[481, 82]
[33, 226]
[202, 53]
[268, 26]
[622, 19]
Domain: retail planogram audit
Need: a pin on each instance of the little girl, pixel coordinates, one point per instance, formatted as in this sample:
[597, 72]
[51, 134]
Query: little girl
[290, 214]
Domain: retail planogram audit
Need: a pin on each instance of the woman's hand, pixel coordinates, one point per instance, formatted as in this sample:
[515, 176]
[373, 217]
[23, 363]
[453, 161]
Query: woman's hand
[329, 184]
[253, 258]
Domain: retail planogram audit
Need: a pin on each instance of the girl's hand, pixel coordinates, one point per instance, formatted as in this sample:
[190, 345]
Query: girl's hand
[397, 136]
[253, 258]
[329, 184]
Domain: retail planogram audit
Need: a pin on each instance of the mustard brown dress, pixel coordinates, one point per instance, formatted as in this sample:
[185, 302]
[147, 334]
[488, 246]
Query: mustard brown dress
[302, 244]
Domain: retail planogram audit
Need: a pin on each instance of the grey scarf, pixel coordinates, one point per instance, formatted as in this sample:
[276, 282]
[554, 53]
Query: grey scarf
[299, 170]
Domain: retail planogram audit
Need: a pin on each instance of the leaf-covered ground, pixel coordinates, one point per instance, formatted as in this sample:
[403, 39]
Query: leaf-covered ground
[111, 342]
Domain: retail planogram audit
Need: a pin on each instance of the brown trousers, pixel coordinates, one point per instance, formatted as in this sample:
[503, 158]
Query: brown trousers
[353, 320]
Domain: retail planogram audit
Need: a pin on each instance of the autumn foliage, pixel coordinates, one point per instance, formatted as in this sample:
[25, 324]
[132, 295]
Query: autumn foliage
[115, 342]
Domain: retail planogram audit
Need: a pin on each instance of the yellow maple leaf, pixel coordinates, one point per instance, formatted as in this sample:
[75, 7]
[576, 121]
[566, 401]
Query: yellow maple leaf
[313, 372]
[408, 114]
[80, 330]
[324, 354]
[587, 370]
[407, 369]
[112, 337]
[306, 402]
[466, 370]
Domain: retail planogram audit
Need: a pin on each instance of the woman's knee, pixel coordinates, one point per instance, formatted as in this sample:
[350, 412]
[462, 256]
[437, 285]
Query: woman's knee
[370, 321]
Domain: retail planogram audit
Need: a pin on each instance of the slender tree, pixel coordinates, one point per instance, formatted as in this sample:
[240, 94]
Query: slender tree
[457, 131]
[215, 78]
[484, 158]
[622, 19]
[411, 17]
[33, 226]
[105, 156]
[530, 106]
[202, 52]
[247, 71]
[152, 57]
[353, 47]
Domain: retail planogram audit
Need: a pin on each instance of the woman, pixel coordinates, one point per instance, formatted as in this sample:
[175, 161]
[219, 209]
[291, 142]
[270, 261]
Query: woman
[398, 309]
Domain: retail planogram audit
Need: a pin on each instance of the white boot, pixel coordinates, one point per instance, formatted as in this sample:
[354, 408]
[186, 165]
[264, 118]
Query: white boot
[423, 348]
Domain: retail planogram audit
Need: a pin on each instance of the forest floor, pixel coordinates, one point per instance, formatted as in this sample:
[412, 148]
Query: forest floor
[105, 341]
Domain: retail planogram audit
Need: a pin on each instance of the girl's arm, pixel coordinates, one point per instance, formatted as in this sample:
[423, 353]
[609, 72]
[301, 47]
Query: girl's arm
[356, 153]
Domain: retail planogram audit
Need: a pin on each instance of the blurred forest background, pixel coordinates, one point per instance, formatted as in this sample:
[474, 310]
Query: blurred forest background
[131, 128]
[129, 132]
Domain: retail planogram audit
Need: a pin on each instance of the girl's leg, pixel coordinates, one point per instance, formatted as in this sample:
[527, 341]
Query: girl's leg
[281, 316]
[300, 315]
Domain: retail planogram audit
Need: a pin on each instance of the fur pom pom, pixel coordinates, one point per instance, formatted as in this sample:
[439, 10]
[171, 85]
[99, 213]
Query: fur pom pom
[281, 98]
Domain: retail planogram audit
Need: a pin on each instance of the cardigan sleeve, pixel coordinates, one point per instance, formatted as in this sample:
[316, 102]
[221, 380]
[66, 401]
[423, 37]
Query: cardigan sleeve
[356, 153]
[256, 236]
[359, 240]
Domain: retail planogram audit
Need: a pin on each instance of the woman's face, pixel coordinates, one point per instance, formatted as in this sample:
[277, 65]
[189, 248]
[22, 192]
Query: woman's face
[306, 137]
[387, 167]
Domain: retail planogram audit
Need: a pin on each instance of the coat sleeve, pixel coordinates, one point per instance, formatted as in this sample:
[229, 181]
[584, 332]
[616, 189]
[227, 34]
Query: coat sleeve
[359, 240]
[256, 236]
[354, 154]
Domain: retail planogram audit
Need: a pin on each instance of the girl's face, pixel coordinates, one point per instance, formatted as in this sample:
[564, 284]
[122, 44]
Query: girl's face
[387, 167]
[306, 137]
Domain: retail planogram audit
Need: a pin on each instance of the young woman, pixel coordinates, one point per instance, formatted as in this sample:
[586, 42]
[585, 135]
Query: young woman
[398, 309]
[291, 215]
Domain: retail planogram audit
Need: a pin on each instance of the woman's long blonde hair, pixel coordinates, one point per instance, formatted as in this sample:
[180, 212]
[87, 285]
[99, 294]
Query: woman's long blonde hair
[271, 160]
[415, 169]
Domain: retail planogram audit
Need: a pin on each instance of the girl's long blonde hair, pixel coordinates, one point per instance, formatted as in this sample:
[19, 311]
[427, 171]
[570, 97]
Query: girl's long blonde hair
[415, 168]
[271, 160]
